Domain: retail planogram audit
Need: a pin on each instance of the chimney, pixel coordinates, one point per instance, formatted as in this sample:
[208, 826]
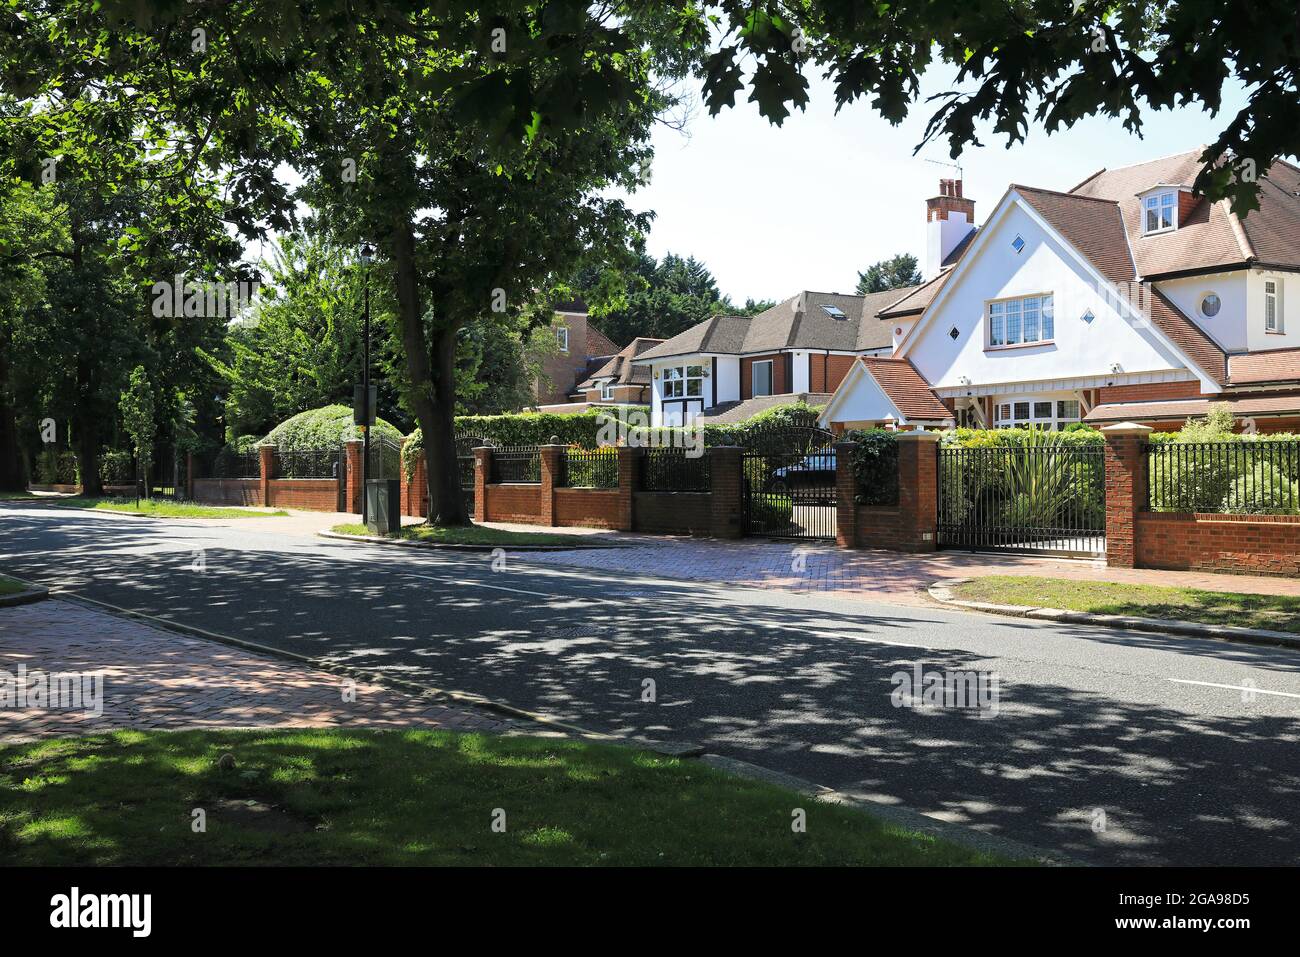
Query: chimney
[949, 217]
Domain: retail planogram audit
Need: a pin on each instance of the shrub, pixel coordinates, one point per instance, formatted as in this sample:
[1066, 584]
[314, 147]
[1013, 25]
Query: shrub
[1264, 490]
[57, 468]
[116, 467]
[323, 428]
[875, 466]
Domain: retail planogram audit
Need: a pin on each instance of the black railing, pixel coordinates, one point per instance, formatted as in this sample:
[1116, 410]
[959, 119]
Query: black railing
[1044, 499]
[305, 464]
[672, 470]
[589, 468]
[1247, 477]
[237, 465]
[516, 463]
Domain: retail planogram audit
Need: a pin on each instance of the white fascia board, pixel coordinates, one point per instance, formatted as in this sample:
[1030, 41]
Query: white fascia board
[1067, 385]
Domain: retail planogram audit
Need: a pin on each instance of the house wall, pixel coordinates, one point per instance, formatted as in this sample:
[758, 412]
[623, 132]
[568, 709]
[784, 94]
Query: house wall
[781, 368]
[565, 369]
[1229, 327]
[1290, 336]
[799, 375]
[993, 270]
[826, 372]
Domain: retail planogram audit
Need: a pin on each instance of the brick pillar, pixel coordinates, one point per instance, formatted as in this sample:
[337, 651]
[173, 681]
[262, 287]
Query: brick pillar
[552, 457]
[354, 490]
[482, 469]
[846, 493]
[265, 464]
[629, 483]
[1126, 490]
[420, 489]
[918, 490]
[727, 503]
[404, 490]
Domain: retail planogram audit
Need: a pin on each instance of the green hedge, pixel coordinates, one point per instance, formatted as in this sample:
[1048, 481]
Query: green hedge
[322, 428]
[875, 466]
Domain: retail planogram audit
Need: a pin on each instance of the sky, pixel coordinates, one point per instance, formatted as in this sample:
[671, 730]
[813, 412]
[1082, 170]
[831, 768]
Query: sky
[773, 210]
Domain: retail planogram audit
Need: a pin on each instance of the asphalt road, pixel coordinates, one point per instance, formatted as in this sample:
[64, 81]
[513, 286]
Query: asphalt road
[1185, 750]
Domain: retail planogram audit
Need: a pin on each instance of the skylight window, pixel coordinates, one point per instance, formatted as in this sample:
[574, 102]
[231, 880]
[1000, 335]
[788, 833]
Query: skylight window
[835, 312]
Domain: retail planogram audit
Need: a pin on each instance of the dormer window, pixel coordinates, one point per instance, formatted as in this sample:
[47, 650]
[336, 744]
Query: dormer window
[835, 312]
[1160, 212]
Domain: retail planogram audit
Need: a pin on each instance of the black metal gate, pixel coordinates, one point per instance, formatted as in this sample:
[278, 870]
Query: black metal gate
[1046, 498]
[789, 476]
[465, 446]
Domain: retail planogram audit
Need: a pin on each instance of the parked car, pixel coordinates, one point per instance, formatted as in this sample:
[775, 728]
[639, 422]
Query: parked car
[814, 470]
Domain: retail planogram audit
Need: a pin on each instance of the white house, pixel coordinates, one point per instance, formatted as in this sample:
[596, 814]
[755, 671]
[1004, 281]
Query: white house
[1126, 298]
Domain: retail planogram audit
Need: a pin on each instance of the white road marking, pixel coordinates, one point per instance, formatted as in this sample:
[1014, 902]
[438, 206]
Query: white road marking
[1211, 684]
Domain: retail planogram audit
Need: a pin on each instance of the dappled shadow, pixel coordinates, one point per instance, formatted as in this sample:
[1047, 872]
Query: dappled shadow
[798, 684]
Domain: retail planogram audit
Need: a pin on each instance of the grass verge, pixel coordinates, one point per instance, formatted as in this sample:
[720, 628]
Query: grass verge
[474, 535]
[1273, 612]
[413, 797]
[166, 508]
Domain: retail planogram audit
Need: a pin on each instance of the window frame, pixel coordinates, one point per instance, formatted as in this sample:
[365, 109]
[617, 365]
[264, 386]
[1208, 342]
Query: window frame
[674, 377]
[562, 337]
[607, 390]
[995, 309]
[771, 377]
[1274, 299]
[1056, 421]
[1155, 202]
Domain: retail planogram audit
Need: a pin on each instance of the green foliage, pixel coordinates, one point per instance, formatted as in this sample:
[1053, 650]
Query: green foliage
[116, 467]
[1262, 489]
[323, 428]
[57, 468]
[875, 466]
[597, 468]
[137, 410]
[893, 273]
[1019, 438]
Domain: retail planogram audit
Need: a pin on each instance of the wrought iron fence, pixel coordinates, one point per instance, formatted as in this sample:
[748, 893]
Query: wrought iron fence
[672, 470]
[1044, 499]
[516, 463]
[231, 464]
[305, 463]
[589, 468]
[1247, 478]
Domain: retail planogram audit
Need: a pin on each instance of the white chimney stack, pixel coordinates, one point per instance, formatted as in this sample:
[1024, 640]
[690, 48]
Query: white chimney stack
[949, 218]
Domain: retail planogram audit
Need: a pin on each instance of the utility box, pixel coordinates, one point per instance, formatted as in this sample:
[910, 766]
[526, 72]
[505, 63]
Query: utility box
[383, 506]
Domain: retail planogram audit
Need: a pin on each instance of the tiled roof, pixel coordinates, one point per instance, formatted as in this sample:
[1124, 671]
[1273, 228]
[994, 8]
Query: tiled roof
[799, 322]
[1184, 408]
[1188, 336]
[620, 367]
[916, 301]
[906, 388]
[1092, 226]
[599, 344]
[1209, 235]
[1272, 365]
[725, 413]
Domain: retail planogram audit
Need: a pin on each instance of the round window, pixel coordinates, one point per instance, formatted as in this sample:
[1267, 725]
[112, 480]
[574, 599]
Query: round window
[1210, 306]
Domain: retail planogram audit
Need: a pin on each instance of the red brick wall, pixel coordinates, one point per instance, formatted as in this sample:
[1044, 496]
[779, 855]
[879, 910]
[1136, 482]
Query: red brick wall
[318, 495]
[513, 503]
[780, 385]
[1237, 544]
[1150, 392]
[211, 491]
[673, 513]
[586, 507]
[825, 373]
[881, 526]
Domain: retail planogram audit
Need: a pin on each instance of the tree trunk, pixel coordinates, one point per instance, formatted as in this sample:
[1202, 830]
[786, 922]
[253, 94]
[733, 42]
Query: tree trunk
[13, 474]
[87, 443]
[432, 386]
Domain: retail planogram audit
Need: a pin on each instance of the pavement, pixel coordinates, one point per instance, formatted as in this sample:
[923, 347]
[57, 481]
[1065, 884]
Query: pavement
[1107, 745]
[149, 678]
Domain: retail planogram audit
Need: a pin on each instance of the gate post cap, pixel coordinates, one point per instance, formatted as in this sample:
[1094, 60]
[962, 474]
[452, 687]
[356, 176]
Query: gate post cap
[918, 436]
[1127, 428]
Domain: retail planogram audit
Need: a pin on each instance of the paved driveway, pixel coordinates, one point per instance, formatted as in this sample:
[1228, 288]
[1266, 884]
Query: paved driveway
[1185, 750]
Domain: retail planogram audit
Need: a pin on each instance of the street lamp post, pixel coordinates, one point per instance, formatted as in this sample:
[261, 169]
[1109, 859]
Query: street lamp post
[367, 256]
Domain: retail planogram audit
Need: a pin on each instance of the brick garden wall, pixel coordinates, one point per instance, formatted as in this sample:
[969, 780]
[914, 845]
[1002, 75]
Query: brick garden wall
[672, 513]
[513, 503]
[586, 507]
[210, 491]
[318, 495]
[1238, 544]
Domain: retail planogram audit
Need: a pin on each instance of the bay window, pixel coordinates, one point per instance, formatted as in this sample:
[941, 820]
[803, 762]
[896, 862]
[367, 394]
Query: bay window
[683, 382]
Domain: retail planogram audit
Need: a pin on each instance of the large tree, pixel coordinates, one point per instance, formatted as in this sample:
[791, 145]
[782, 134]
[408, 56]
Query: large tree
[893, 273]
[655, 298]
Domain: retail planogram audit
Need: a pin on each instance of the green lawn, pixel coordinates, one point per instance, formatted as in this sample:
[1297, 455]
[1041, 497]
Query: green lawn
[10, 496]
[10, 587]
[165, 508]
[1274, 612]
[412, 797]
[476, 535]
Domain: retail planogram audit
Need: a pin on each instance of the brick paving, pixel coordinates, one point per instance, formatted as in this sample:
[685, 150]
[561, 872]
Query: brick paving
[863, 574]
[159, 679]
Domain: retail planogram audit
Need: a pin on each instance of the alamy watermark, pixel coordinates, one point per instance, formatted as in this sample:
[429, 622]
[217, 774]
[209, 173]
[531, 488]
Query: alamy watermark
[631, 427]
[52, 691]
[946, 690]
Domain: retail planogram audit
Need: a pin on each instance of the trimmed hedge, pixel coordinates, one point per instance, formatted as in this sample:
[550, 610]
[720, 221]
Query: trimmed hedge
[875, 466]
[322, 428]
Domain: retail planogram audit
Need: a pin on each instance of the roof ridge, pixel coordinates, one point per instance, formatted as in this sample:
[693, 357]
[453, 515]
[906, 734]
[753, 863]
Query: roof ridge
[1088, 179]
[1199, 150]
[1057, 192]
